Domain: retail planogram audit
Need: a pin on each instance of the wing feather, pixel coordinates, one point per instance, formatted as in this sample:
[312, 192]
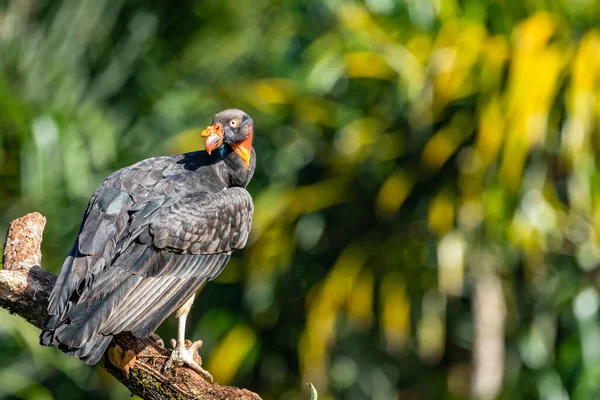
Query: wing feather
[204, 223]
[147, 243]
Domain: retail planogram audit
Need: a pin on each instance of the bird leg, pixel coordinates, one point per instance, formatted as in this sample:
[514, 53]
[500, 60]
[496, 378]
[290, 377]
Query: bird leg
[184, 351]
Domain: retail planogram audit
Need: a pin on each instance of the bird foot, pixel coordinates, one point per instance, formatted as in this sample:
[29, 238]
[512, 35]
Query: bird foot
[157, 339]
[187, 354]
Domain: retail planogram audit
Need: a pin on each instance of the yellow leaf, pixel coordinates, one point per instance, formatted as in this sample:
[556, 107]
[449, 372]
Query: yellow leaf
[441, 213]
[395, 312]
[457, 49]
[226, 359]
[491, 133]
[535, 32]
[393, 193]
[368, 65]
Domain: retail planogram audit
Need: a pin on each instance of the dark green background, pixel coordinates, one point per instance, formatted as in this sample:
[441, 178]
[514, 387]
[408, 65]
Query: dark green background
[425, 168]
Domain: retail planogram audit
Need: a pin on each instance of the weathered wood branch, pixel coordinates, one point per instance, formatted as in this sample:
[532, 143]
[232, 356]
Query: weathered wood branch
[25, 288]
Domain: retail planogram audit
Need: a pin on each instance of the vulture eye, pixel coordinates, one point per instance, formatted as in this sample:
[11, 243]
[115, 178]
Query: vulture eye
[234, 123]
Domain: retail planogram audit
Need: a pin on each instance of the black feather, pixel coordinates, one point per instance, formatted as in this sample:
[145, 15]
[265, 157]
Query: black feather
[152, 235]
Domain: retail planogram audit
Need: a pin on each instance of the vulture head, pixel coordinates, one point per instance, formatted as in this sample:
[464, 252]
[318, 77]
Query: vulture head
[231, 128]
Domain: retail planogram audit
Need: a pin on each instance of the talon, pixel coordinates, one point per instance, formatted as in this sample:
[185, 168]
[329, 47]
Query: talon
[157, 339]
[167, 366]
[187, 355]
[197, 345]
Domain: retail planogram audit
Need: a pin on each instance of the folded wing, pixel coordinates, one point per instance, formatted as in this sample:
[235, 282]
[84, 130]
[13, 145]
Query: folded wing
[137, 259]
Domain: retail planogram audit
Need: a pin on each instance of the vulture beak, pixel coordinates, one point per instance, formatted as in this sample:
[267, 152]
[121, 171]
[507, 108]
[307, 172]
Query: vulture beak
[214, 137]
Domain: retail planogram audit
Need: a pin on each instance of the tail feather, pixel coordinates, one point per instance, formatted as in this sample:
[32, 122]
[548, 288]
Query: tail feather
[90, 353]
[135, 293]
[93, 350]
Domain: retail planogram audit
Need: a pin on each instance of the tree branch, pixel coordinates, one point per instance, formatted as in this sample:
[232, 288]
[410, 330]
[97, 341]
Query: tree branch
[25, 288]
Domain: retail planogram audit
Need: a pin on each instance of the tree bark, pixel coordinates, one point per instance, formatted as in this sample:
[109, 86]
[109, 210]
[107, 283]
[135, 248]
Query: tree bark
[25, 288]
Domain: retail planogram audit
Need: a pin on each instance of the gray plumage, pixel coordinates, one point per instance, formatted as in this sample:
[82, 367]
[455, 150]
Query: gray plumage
[152, 235]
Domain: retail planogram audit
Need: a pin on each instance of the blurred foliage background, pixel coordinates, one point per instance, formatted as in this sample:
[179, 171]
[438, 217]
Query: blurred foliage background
[427, 194]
